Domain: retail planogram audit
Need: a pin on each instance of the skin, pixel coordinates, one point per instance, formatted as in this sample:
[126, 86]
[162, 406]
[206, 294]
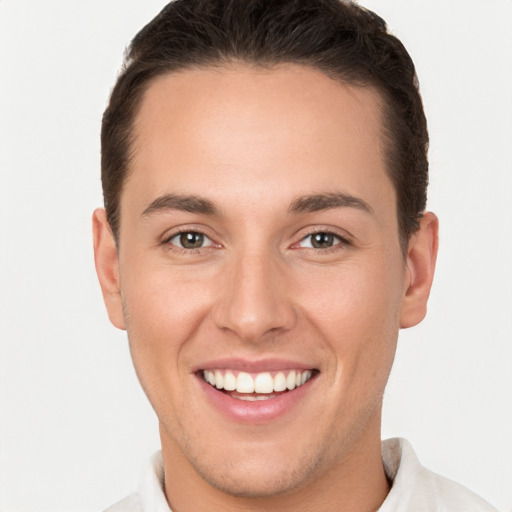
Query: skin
[251, 142]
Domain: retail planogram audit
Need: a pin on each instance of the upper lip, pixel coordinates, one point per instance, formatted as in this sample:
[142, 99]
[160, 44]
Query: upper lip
[252, 366]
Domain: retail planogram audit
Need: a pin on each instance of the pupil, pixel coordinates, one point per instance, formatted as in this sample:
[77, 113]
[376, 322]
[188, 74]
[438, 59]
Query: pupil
[191, 240]
[322, 240]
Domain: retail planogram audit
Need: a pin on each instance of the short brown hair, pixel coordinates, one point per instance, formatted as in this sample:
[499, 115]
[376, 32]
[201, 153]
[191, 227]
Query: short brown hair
[345, 41]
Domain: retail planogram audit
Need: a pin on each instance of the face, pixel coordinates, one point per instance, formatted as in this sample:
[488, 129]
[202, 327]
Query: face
[259, 251]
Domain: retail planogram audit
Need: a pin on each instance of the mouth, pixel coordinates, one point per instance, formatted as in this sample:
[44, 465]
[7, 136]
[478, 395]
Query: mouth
[253, 387]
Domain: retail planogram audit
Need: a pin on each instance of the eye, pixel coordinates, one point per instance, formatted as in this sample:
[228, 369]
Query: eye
[190, 240]
[321, 240]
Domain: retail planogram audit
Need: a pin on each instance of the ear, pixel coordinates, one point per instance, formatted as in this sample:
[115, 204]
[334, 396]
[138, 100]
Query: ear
[107, 266]
[420, 266]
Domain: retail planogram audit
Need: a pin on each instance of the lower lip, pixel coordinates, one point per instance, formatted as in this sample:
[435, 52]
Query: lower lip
[258, 411]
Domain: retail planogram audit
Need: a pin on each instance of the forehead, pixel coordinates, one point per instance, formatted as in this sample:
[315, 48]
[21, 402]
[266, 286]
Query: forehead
[286, 130]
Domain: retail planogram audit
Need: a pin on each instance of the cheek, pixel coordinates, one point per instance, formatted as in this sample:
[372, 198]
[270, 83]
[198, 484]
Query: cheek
[160, 299]
[356, 309]
[162, 312]
[352, 296]
[163, 309]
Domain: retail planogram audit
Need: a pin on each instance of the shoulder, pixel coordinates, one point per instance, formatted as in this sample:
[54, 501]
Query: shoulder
[129, 504]
[414, 487]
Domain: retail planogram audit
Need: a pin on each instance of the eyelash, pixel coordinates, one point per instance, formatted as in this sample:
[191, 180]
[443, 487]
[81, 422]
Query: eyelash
[183, 250]
[342, 242]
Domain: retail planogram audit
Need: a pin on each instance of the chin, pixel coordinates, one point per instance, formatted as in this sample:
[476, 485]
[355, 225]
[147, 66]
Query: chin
[254, 468]
[263, 479]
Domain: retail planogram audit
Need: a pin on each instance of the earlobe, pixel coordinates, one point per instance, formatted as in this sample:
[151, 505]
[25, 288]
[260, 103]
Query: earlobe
[421, 262]
[107, 267]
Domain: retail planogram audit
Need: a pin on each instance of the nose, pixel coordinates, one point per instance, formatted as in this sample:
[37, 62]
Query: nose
[254, 301]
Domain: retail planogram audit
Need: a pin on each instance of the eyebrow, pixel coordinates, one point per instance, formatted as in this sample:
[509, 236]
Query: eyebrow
[318, 202]
[186, 203]
[303, 204]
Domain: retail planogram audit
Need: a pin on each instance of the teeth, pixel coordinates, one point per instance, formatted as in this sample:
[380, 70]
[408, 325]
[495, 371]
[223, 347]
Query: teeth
[254, 398]
[244, 383]
[261, 383]
[229, 382]
[219, 380]
[290, 380]
[279, 382]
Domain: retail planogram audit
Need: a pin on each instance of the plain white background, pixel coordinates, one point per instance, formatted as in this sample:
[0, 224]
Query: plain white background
[75, 427]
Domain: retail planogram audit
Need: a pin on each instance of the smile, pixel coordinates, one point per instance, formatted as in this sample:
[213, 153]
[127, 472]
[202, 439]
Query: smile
[259, 386]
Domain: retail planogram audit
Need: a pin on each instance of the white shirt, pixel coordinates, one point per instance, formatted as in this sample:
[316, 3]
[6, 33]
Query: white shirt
[414, 488]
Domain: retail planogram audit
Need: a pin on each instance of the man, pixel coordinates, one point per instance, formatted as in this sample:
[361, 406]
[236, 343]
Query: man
[263, 240]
